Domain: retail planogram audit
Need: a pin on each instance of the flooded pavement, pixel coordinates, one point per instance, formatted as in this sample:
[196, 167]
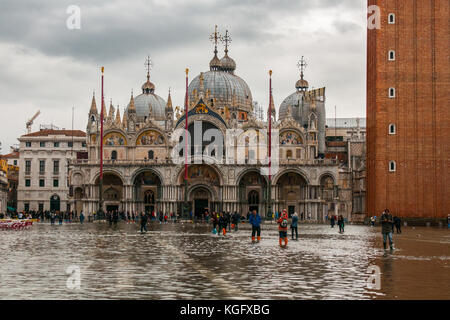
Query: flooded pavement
[186, 261]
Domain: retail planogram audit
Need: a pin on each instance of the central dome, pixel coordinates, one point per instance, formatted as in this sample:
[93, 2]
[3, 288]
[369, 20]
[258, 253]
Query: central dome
[223, 86]
[143, 102]
[148, 99]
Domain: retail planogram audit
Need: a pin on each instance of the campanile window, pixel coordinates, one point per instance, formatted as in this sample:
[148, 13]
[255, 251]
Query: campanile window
[392, 55]
[391, 93]
[391, 18]
[392, 128]
[392, 166]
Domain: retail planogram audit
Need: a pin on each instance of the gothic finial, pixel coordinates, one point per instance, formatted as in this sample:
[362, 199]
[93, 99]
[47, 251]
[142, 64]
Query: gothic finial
[93, 105]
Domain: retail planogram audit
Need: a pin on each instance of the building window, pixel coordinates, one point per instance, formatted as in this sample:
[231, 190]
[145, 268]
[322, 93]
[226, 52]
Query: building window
[56, 144]
[42, 144]
[299, 153]
[391, 93]
[42, 166]
[41, 183]
[27, 183]
[15, 162]
[41, 207]
[83, 144]
[392, 166]
[391, 18]
[70, 144]
[28, 166]
[26, 207]
[289, 154]
[56, 183]
[391, 55]
[114, 155]
[56, 167]
[392, 128]
[28, 144]
[151, 154]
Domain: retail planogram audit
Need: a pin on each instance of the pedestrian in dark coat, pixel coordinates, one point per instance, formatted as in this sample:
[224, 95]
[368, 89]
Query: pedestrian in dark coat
[294, 226]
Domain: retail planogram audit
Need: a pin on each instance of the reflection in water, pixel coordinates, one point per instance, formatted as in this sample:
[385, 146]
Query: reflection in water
[186, 261]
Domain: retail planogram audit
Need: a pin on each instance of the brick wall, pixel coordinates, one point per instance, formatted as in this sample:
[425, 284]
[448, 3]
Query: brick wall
[420, 187]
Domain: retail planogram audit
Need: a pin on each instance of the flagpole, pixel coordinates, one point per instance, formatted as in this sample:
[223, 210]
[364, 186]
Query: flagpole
[269, 206]
[186, 102]
[100, 202]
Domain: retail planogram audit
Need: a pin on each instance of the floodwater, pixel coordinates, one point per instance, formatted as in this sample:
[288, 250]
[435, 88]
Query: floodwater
[186, 261]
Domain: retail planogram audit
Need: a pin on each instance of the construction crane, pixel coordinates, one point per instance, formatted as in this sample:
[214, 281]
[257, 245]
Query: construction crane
[30, 122]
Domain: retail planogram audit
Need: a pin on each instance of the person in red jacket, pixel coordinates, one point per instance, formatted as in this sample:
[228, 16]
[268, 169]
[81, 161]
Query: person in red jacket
[282, 228]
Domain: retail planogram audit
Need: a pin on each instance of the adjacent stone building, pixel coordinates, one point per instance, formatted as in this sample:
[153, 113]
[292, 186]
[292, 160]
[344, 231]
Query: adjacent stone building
[43, 177]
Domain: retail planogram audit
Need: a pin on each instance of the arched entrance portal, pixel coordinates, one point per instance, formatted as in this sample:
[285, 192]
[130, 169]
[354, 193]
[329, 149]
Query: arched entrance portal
[292, 193]
[147, 191]
[78, 200]
[204, 183]
[55, 203]
[112, 192]
[252, 192]
[201, 200]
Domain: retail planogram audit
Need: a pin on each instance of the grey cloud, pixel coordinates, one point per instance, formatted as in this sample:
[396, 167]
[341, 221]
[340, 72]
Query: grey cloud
[53, 68]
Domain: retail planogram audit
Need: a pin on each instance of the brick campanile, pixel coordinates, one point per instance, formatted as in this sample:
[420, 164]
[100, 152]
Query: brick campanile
[408, 102]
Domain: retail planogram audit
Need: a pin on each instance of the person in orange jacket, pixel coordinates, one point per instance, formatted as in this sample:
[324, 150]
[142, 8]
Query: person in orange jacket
[282, 228]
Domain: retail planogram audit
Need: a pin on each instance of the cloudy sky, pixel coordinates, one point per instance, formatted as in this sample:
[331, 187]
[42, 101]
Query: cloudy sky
[49, 67]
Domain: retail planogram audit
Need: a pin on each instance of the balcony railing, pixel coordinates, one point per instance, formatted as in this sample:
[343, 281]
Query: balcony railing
[96, 162]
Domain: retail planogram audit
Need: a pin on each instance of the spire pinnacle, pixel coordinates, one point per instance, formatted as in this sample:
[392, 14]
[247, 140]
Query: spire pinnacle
[93, 105]
[111, 110]
[118, 121]
[131, 106]
[169, 102]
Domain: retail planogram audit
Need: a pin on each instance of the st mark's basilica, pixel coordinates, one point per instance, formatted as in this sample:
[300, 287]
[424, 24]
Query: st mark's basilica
[139, 174]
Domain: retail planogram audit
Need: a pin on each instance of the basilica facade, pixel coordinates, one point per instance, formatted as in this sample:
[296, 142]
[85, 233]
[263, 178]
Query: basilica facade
[140, 173]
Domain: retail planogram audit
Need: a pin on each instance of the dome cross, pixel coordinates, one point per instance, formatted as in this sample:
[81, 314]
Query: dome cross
[149, 65]
[226, 40]
[302, 66]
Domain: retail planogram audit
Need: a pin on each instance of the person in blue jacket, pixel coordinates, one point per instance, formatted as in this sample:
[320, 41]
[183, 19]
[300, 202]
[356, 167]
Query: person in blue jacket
[255, 221]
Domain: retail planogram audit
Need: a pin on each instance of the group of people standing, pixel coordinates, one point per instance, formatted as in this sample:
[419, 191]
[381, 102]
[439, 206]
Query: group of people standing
[340, 222]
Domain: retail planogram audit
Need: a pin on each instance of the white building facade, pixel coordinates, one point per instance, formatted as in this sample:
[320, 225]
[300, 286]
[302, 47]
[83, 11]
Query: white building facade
[43, 178]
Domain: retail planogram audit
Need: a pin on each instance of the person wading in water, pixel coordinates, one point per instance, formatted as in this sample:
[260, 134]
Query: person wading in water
[386, 228]
[255, 221]
[282, 228]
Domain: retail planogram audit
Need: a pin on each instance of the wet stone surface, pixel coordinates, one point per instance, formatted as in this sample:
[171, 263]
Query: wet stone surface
[186, 261]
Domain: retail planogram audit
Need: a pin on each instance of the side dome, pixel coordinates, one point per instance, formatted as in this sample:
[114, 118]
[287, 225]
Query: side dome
[143, 102]
[296, 106]
[148, 99]
[223, 86]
